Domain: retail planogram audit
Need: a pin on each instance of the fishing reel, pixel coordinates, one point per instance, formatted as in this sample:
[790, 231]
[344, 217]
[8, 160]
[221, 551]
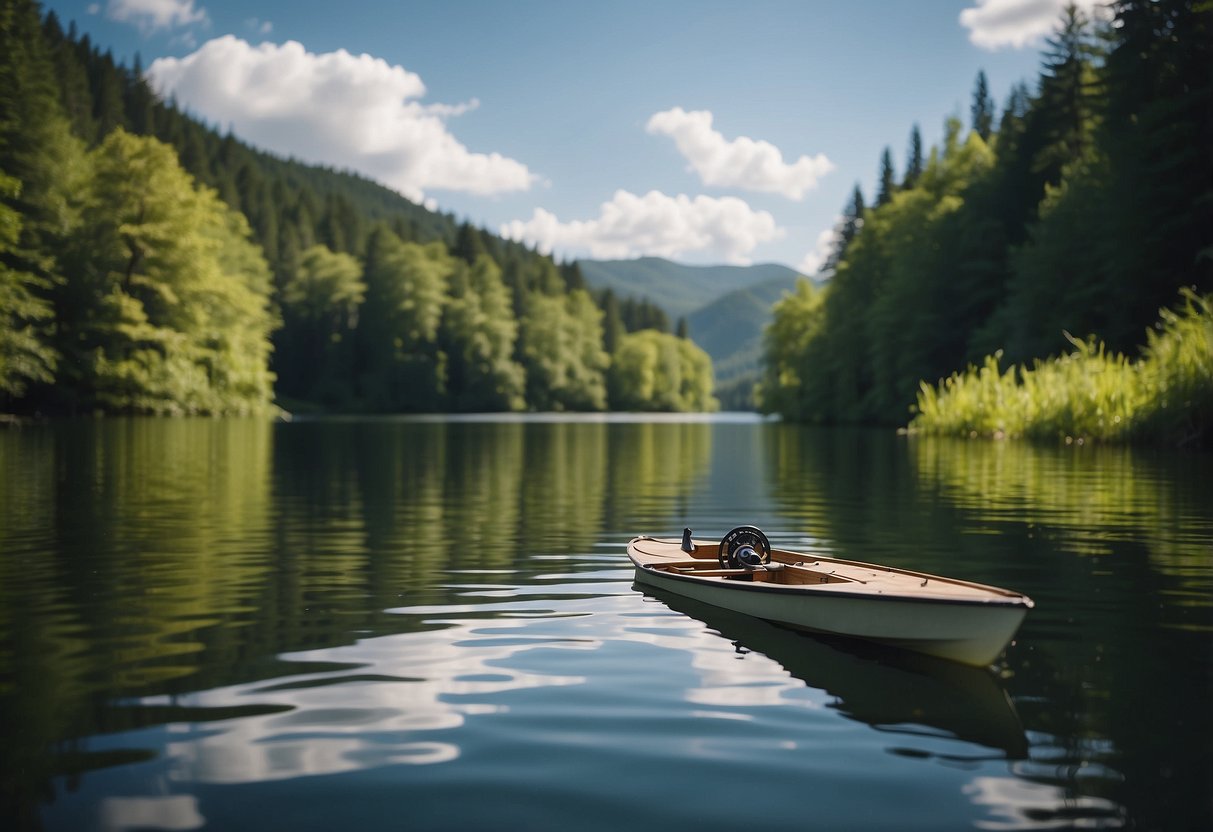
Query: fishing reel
[745, 547]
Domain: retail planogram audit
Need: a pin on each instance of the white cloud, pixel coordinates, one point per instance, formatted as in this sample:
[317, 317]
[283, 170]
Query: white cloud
[654, 224]
[350, 111]
[260, 26]
[151, 15]
[993, 24]
[94, 8]
[745, 163]
[812, 262]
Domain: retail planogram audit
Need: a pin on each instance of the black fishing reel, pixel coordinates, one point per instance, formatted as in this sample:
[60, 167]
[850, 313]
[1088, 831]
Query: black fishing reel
[745, 547]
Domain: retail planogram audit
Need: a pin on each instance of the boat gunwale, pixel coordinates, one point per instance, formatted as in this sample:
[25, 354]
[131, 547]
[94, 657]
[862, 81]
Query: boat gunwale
[1005, 597]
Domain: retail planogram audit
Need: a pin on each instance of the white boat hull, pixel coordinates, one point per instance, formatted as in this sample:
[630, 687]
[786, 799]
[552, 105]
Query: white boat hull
[966, 626]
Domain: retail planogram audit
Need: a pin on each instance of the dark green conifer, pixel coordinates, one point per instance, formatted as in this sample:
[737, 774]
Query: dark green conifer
[914, 159]
[982, 109]
[887, 185]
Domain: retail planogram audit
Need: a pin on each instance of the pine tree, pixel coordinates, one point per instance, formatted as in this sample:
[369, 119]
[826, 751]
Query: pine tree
[36, 146]
[1069, 95]
[914, 159]
[139, 100]
[848, 229]
[573, 278]
[888, 179]
[321, 306]
[1157, 135]
[612, 322]
[399, 366]
[468, 245]
[982, 109]
[75, 94]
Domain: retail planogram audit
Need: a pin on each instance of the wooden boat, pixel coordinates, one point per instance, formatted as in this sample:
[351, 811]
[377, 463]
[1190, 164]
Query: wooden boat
[958, 620]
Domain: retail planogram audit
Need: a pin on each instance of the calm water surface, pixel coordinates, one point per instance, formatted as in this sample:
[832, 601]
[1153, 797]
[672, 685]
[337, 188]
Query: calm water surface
[388, 624]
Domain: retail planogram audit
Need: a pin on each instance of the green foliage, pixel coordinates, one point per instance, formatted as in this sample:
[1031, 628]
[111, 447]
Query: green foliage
[982, 109]
[852, 220]
[887, 183]
[796, 326]
[36, 146]
[327, 290]
[402, 369]
[320, 306]
[134, 278]
[883, 324]
[914, 160]
[1089, 393]
[41, 168]
[656, 371]
[563, 355]
[164, 307]
[478, 334]
[25, 355]
[730, 329]
[674, 290]
[1087, 209]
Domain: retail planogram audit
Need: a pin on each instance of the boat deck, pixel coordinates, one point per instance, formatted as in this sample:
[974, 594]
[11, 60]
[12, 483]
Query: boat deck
[825, 575]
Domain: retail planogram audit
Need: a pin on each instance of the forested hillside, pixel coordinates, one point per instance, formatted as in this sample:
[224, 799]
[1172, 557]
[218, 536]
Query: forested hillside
[723, 309]
[150, 263]
[1080, 207]
[730, 330]
[677, 288]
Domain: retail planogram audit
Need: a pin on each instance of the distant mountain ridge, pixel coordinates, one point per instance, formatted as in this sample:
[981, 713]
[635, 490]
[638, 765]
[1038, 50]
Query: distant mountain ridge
[678, 289]
[726, 309]
[730, 328]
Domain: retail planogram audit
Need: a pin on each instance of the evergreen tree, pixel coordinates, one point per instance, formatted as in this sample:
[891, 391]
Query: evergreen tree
[1157, 132]
[75, 94]
[573, 278]
[847, 230]
[122, 305]
[40, 169]
[400, 366]
[914, 159]
[612, 322]
[468, 245]
[36, 147]
[888, 179]
[982, 109]
[1069, 94]
[108, 104]
[638, 314]
[321, 304]
[139, 100]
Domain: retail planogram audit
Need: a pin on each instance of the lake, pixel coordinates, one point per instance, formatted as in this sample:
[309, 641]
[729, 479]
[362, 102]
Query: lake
[431, 624]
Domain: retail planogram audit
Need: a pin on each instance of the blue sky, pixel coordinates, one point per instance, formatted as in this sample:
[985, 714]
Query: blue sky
[700, 131]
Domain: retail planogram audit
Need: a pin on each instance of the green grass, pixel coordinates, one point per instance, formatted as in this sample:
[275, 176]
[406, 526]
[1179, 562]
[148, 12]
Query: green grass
[1090, 394]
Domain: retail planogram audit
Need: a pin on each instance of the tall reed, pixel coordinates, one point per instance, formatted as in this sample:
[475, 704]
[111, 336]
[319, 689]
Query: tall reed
[1089, 394]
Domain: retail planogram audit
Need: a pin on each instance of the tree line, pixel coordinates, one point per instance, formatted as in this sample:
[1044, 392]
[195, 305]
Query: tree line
[151, 264]
[1083, 207]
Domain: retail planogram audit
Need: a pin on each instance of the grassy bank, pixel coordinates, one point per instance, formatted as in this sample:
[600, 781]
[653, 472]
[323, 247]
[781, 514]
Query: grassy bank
[1090, 394]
